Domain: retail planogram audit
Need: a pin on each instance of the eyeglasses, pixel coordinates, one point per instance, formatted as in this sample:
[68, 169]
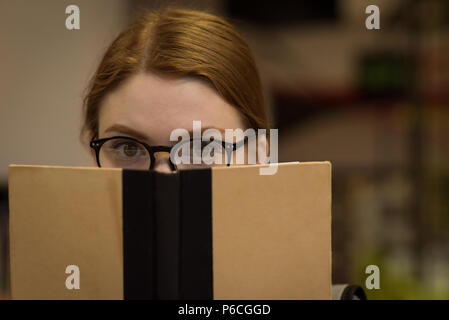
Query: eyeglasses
[129, 153]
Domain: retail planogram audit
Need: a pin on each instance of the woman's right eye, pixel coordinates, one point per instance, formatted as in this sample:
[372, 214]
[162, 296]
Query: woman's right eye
[128, 148]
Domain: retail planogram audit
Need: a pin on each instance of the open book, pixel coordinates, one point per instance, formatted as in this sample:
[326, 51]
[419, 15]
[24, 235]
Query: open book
[212, 233]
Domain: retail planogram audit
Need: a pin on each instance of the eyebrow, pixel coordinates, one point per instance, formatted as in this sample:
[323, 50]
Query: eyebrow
[127, 131]
[222, 131]
[140, 136]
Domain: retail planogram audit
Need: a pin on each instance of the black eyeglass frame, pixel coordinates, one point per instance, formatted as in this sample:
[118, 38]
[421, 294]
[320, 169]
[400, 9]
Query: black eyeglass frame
[96, 144]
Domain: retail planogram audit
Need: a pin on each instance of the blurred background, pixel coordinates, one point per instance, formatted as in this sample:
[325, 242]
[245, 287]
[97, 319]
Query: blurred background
[373, 102]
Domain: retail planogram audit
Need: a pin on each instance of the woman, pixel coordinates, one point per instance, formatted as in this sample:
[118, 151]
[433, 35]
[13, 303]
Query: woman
[165, 71]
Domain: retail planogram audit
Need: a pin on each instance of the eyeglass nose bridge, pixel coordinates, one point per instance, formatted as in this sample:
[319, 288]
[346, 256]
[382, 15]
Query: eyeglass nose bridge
[165, 149]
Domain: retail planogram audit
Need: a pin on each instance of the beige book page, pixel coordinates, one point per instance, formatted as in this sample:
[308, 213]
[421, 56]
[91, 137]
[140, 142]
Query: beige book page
[60, 217]
[272, 233]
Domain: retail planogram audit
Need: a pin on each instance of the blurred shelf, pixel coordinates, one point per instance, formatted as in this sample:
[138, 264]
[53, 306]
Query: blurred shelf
[347, 96]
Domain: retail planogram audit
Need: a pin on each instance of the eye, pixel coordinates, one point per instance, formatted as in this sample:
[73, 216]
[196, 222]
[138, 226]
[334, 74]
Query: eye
[127, 148]
[196, 147]
[124, 153]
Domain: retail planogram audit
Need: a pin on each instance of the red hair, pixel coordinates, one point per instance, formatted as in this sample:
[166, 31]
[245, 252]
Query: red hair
[181, 42]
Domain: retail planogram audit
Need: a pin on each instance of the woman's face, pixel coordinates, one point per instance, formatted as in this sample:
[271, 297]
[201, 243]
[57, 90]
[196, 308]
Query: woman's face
[148, 107]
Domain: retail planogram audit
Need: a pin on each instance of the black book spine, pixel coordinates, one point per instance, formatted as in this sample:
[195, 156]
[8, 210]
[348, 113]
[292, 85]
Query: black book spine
[139, 254]
[167, 234]
[196, 269]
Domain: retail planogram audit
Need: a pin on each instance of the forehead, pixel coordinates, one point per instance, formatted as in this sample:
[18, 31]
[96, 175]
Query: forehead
[154, 105]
